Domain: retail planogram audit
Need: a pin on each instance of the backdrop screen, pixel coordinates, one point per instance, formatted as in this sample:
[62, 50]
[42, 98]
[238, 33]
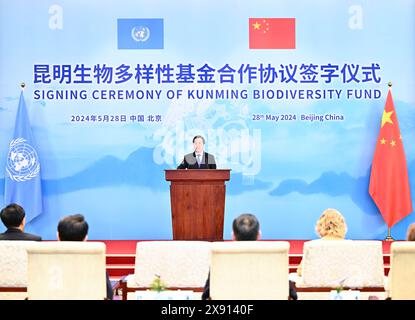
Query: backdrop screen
[288, 94]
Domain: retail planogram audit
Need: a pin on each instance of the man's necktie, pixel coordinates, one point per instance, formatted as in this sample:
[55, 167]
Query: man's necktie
[198, 160]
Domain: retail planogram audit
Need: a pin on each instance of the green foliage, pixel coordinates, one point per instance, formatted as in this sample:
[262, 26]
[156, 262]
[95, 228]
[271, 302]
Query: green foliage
[157, 284]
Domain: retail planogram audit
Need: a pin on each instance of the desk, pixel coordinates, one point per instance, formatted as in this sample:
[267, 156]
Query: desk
[164, 295]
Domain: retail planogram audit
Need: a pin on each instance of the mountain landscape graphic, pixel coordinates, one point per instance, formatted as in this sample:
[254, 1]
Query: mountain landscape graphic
[333, 184]
[139, 169]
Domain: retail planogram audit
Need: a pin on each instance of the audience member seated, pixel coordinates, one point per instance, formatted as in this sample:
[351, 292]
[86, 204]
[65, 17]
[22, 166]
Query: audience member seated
[246, 228]
[410, 234]
[75, 228]
[13, 217]
[330, 226]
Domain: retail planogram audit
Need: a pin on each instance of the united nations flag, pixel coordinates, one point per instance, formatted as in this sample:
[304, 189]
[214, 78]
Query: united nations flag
[140, 33]
[22, 178]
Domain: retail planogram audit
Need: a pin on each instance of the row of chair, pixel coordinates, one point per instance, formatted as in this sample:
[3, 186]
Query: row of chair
[259, 269]
[52, 270]
[238, 269]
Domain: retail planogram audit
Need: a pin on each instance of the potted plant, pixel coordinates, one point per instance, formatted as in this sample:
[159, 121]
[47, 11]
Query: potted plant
[157, 291]
[157, 285]
[336, 294]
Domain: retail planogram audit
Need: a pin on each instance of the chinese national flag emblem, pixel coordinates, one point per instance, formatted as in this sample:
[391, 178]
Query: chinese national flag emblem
[389, 184]
[271, 33]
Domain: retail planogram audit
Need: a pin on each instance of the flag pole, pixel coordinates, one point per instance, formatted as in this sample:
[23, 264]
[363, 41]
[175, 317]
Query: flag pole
[22, 86]
[389, 237]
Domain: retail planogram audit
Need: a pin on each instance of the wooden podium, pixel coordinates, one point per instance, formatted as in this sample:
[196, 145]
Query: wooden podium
[197, 199]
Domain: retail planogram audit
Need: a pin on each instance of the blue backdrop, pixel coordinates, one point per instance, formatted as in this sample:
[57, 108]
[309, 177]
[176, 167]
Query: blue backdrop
[117, 89]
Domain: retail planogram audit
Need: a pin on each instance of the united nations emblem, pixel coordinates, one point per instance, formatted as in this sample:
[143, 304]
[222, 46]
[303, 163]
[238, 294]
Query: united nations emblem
[22, 161]
[140, 33]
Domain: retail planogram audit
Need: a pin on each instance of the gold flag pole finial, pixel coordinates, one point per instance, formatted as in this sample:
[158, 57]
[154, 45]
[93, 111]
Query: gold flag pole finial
[390, 84]
[22, 85]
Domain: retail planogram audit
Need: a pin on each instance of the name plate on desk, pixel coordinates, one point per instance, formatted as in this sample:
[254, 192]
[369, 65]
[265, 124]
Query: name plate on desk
[164, 295]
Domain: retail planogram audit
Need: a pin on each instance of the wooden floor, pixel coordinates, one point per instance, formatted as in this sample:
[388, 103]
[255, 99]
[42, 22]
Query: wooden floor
[120, 256]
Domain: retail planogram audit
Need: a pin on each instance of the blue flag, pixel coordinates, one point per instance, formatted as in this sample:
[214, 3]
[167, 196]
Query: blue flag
[22, 178]
[140, 33]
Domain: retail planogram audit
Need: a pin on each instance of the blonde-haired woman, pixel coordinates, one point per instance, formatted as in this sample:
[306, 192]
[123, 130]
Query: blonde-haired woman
[330, 226]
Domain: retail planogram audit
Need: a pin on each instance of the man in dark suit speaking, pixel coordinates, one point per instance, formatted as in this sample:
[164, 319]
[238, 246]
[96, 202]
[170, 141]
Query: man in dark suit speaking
[199, 159]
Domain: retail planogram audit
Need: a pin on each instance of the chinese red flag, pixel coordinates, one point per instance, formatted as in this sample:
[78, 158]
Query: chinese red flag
[271, 33]
[389, 184]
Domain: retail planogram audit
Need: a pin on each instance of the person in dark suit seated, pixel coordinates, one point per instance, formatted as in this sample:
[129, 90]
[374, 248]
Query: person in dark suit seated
[75, 228]
[246, 228]
[13, 217]
[199, 159]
